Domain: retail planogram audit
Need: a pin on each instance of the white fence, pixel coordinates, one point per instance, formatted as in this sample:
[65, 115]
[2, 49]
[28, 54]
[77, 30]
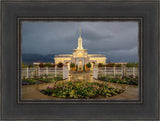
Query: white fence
[50, 72]
[115, 71]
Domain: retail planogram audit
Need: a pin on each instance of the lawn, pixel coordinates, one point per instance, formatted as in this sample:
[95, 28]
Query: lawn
[40, 80]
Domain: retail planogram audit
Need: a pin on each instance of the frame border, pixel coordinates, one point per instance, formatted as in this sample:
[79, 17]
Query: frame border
[146, 111]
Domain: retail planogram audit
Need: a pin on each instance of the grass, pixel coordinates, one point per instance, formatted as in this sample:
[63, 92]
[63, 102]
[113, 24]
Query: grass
[126, 80]
[40, 80]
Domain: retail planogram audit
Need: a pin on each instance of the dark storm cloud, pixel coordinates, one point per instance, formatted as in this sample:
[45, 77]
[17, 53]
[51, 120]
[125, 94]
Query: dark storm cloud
[109, 38]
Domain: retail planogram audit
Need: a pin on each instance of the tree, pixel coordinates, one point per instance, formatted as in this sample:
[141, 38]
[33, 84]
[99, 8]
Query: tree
[88, 65]
[53, 65]
[131, 64]
[100, 65]
[60, 65]
[41, 65]
[76, 67]
[48, 65]
[110, 65]
[118, 65]
[30, 66]
[72, 65]
[24, 65]
[83, 67]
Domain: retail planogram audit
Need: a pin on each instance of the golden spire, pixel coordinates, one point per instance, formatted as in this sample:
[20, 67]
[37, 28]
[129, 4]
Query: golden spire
[80, 31]
[80, 46]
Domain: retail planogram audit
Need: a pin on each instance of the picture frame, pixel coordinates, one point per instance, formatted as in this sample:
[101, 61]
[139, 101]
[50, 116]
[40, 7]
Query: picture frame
[147, 106]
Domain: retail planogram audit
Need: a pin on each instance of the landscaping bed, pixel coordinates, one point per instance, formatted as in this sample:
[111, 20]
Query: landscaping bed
[81, 90]
[125, 80]
[40, 80]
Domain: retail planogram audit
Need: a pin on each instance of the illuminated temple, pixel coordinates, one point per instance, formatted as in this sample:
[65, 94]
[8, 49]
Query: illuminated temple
[80, 57]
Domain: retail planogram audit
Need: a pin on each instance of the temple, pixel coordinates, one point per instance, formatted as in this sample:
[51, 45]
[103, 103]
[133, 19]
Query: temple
[80, 57]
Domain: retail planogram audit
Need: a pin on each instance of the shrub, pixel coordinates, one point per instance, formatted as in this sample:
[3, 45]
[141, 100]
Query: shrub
[76, 67]
[100, 65]
[126, 80]
[28, 81]
[88, 65]
[83, 67]
[41, 65]
[48, 65]
[30, 66]
[72, 65]
[132, 64]
[118, 65]
[24, 65]
[110, 65]
[60, 65]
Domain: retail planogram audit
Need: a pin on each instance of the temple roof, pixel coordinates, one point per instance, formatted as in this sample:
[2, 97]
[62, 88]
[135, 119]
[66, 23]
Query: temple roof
[96, 55]
[63, 55]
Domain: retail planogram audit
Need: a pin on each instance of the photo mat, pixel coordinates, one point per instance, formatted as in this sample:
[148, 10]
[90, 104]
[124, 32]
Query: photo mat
[68, 70]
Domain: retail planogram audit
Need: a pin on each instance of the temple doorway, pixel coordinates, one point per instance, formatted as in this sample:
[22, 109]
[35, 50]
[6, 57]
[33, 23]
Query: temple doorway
[80, 65]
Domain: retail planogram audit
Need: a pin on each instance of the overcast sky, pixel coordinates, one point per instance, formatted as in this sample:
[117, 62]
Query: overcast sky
[116, 39]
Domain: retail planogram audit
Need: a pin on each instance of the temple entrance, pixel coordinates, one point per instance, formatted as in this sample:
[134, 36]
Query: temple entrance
[80, 65]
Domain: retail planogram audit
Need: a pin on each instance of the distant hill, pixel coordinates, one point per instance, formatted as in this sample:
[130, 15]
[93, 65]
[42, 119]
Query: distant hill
[122, 58]
[30, 58]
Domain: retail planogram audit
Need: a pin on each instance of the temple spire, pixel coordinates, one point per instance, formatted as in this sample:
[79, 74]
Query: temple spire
[80, 46]
[80, 32]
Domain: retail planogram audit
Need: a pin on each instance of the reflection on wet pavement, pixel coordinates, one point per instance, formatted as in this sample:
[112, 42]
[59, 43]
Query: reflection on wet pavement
[87, 77]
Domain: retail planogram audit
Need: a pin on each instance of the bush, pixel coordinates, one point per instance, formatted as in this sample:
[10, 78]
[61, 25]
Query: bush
[76, 67]
[100, 65]
[28, 81]
[110, 65]
[60, 65]
[48, 65]
[41, 65]
[126, 80]
[24, 65]
[72, 65]
[132, 64]
[118, 65]
[30, 66]
[88, 65]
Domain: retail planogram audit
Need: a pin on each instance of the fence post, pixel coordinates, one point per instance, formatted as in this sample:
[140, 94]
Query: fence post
[55, 69]
[133, 72]
[38, 71]
[122, 71]
[27, 72]
[114, 71]
[95, 72]
[105, 71]
[46, 70]
[65, 72]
